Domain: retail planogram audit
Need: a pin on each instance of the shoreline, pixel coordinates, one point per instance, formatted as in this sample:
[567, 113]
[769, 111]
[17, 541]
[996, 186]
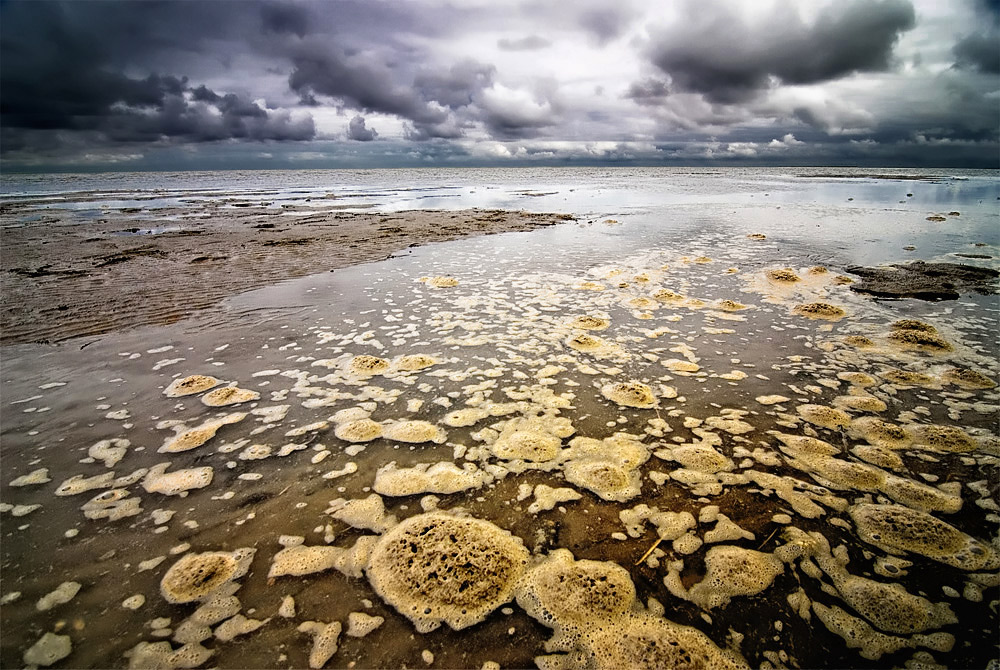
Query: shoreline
[64, 279]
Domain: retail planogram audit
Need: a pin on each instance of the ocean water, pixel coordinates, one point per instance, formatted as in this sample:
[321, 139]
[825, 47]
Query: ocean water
[664, 261]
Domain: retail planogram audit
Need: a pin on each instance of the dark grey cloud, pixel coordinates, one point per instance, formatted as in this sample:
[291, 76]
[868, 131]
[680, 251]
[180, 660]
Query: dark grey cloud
[529, 43]
[285, 18]
[356, 130]
[606, 23]
[361, 83]
[979, 51]
[457, 86]
[716, 53]
[649, 91]
[121, 79]
[63, 69]
[364, 83]
[989, 7]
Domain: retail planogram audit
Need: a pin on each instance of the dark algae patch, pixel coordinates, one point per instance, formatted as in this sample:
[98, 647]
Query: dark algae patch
[926, 281]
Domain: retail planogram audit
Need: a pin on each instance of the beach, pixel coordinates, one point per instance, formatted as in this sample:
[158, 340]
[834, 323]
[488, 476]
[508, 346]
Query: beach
[553, 418]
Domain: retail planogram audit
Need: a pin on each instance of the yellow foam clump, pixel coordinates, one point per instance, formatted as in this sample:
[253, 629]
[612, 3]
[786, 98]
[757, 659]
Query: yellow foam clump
[560, 591]
[898, 529]
[630, 394]
[466, 416]
[367, 366]
[861, 403]
[879, 433]
[907, 378]
[414, 362]
[912, 334]
[229, 395]
[823, 416]
[941, 438]
[820, 310]
[443, 477]
[437, 568]
[585, 343]
[179, 482]
[728, 305]
[968, 379]
[588, 322]
[608, 467]
[325, 636]
[199, 435]
[599, 625]
[857, 378]
[197, 576]
[527, 439]
[361, 430]
[190, 385]
[305, 560]
[734, 571]
[872, 644]
[440, 281]
[414, 432]
[783, 276]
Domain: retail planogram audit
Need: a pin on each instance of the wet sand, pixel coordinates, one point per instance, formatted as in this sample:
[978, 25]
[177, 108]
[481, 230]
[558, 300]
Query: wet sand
[64, 278]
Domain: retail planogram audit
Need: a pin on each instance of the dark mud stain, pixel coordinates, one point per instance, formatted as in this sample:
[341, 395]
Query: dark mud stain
[926, 281]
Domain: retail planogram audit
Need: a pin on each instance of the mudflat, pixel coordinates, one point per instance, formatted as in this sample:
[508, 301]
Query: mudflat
[64, 278]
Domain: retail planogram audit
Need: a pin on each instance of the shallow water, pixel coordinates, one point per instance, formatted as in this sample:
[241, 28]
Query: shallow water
[502, 335]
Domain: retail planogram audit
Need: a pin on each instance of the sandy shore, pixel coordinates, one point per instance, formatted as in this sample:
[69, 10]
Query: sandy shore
[63, 278]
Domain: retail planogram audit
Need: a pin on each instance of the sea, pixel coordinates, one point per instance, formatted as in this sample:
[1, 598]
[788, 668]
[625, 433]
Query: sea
[679, 389]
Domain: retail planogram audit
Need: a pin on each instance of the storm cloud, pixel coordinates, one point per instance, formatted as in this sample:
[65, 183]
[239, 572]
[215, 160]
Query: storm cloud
[356, 130]
[979, 51]
[307, 82]
[727, 58]
[67, 77]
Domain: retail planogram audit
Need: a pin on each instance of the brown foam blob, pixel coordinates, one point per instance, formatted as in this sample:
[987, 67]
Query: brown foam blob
[230, 395]
[783, 276]
[820, 310]
[588, 322]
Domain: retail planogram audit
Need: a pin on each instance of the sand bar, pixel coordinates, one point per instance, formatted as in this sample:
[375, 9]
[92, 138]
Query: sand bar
[63, 279]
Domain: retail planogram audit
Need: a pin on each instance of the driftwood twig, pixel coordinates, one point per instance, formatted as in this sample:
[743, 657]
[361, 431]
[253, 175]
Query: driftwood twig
[649, 551]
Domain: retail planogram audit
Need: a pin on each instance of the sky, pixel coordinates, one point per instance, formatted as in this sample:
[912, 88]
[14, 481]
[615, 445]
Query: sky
[181, 84]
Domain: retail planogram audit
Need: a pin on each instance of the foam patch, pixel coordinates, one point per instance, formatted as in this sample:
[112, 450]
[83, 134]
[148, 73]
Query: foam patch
[437, 568]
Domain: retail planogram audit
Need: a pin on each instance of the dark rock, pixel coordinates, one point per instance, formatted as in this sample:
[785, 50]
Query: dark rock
[926, 281]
